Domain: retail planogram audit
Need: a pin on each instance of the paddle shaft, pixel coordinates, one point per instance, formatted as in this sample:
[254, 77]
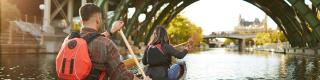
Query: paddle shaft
[132, 53]
[180, 44]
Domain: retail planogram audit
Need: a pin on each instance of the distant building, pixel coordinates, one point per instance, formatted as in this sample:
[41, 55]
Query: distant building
[249, 27]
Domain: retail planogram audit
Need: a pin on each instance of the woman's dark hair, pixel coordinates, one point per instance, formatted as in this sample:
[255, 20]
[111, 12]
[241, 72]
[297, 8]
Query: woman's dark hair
[159, 36]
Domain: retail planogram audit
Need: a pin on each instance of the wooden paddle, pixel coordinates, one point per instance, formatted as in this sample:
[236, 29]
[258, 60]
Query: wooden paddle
[133, 55]
[181, 44]
[190, 41]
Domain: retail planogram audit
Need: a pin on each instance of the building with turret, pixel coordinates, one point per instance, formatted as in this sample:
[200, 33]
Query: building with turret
[251, 27]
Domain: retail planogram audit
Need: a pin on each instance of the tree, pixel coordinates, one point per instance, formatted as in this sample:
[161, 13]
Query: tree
[181, 29]
[270, 37]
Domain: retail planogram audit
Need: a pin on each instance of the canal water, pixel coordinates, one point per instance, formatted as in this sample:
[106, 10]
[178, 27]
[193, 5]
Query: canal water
[217, 63]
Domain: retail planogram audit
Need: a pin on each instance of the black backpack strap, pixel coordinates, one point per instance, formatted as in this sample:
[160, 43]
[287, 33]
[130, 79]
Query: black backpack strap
[91, 36]
[74, 35]
[95, 74]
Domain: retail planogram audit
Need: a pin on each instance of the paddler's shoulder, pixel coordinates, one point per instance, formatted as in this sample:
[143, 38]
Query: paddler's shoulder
[102, 39]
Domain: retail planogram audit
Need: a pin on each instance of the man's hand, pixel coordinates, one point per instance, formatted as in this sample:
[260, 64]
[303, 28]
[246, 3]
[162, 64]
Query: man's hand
[135, 78]
[116, 26]
[147, 78]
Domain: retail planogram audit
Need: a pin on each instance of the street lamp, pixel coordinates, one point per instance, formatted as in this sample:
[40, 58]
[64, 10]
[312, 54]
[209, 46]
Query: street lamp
[41, 6]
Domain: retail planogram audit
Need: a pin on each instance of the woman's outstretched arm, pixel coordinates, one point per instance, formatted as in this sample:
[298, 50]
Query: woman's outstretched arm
[174, 52]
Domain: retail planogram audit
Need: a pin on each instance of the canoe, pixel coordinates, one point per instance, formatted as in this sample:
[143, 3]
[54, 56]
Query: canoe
[183, 71]
[129, 63]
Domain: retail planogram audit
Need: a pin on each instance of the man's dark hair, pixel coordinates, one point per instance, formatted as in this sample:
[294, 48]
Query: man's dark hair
[87, 10]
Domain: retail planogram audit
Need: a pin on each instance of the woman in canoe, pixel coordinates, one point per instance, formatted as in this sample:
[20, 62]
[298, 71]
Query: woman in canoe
[157, 56]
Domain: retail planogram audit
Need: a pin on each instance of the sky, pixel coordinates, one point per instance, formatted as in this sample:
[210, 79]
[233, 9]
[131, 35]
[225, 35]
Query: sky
[222, 15]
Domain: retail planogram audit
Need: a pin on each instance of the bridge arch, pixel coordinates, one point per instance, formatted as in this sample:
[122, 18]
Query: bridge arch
[298, 22]
[293, 18]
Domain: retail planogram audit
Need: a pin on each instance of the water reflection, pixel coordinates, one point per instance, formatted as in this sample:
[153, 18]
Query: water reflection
[222, 64]
[206, 65]
[31, 66]
[302, 67]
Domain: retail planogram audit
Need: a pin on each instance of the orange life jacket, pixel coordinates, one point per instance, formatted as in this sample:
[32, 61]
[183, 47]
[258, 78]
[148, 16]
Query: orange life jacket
[73, 61]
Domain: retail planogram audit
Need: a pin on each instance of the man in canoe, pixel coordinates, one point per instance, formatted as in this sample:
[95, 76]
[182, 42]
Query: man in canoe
[104, 57]
[104, 53]
[158, 56]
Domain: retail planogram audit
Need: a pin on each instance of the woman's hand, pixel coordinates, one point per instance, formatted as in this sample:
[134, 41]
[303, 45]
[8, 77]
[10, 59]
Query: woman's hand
[189, 44]
[190, 41]
[187, 47]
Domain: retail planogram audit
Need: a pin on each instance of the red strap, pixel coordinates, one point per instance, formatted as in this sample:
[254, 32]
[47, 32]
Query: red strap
[102, 75]
[160, 48]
